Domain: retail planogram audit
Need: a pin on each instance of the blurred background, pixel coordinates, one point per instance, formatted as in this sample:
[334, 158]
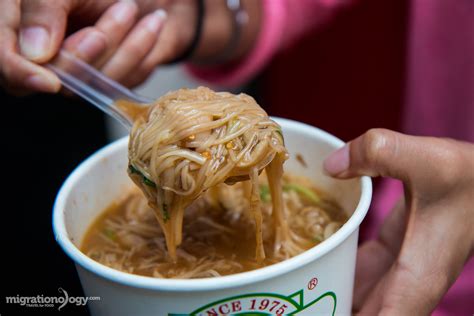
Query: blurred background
[357, 63]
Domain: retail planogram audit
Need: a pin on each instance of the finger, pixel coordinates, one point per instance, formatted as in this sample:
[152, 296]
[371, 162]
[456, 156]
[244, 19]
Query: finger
[138, 77]
[373, 304]
[135, 47]
[43, 24]
[168, 46]
[375, 257]
[87, 44]
[435, 247]
[431, 258]
[9, 16]
[115, 23]
[369, 154]
[173, 40]
[373, 261]
[18, 74]
[381, 152]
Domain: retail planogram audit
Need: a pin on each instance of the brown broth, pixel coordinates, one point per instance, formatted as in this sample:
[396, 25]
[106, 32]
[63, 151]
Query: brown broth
[218, 251]
[131, 109]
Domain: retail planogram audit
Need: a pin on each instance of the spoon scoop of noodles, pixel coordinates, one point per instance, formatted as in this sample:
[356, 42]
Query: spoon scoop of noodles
[194, 139]
[116, 100]
[187, 142]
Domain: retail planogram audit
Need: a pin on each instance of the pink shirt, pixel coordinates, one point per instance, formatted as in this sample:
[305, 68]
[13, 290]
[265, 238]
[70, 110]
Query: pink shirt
[439, 98]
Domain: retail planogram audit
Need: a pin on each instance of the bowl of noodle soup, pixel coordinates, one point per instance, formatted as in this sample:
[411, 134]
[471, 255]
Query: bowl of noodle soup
[316, 281]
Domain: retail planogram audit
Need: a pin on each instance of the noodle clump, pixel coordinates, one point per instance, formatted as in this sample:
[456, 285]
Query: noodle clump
[195, 139]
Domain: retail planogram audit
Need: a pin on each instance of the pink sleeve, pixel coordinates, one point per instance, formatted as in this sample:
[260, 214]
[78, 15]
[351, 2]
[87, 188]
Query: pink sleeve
[283, 22]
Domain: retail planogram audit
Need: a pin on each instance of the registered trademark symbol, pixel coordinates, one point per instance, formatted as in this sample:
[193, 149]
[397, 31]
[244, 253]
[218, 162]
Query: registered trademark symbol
[312, 283]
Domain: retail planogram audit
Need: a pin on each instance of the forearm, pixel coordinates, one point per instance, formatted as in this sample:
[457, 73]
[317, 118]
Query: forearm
[276, 24]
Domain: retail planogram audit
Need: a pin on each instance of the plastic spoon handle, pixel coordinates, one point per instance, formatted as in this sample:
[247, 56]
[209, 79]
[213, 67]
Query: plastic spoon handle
[93, 86]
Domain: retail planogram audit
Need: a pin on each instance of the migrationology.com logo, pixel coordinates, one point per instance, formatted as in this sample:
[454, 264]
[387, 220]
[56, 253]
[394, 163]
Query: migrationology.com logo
[50, 301]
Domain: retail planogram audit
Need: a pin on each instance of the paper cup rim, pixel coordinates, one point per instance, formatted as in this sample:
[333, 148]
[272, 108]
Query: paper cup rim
[204, 284]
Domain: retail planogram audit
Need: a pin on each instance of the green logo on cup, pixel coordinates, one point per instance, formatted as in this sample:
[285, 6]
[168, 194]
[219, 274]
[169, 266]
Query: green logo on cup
[266, 304]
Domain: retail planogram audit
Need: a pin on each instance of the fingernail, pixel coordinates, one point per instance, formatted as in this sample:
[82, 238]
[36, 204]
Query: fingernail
[155, 21]
[34, 42]
[123, 11]
[338, 161]
[91, 45]
[42, 83]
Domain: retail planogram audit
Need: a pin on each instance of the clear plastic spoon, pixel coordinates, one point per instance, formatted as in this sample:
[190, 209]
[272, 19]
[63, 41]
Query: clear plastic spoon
[103, 92]
[93, 86]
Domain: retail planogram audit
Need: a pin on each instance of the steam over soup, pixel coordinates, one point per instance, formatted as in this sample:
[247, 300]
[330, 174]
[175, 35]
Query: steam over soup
[218, 231]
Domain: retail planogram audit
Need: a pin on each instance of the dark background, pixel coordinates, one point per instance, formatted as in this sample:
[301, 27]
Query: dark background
[43, 138]
[354, 65]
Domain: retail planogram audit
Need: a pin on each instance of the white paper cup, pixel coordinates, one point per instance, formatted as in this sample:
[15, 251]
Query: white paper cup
[318, 281]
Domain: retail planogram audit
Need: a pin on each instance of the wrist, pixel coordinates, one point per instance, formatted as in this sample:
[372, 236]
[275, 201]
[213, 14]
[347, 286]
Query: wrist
[229, 30]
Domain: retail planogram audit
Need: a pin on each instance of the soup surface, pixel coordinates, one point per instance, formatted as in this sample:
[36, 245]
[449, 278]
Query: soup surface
[218, 231]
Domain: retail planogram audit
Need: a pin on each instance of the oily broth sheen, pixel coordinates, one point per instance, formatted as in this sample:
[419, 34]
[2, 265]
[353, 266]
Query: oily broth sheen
[218, 232]
[241, 249]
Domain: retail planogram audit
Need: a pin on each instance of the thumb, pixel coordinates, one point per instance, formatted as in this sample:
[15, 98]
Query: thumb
[380, 152]
[43, 24]
[438, 199]
[42, 28]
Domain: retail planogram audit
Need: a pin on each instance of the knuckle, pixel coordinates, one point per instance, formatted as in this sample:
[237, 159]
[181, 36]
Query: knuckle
[452, 160]
[146, 68]
[377, 145]
[135, 49]
[8, 66]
